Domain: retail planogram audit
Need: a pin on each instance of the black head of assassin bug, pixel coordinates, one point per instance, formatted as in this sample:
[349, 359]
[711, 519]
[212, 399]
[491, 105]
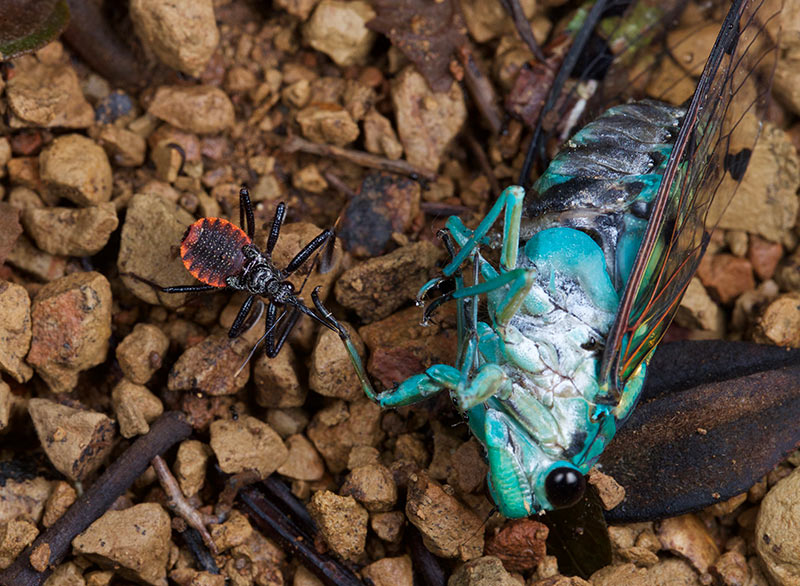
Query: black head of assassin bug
[222, 256]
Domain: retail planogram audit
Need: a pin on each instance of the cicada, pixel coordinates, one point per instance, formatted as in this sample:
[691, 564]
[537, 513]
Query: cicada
[593, 262]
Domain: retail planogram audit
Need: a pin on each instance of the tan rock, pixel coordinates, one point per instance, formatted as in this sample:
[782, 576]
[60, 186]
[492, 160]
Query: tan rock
[388, 526]
[183, 33]
[482, 571]
[449, 529]
[726, 276]
[24, 499]
[71, 231]
[47, 95]
[153, 227]
[779, 322]
[299, 8]
[488, 20]
[777, 536]
[698, 311]
[190, 466]
[42, 265]
[687, 536]
[766, 202]
[247, 444]
[335, 429]
[390, 572]
[124, 147]
[14, 537]
[327, 123]
[6, 404]
[76, 168]
[135, 407]
[342, 522]
[15, 330]
[233, 532]
[71, 319]
[67, 574]
[211, 367]
[199, 109]
[142, 352]
[276, 380]
[379, 136]
[58, 502]
[611, 493]
[339, 30]
[375, 288]
[426, 120]
[373, 486]
[134, 542]
[332, 373]
[286, 422]
[76, 441]
[303, 461]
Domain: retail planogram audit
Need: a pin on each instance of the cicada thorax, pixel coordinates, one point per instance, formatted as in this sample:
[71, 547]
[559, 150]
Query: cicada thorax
[211, 250]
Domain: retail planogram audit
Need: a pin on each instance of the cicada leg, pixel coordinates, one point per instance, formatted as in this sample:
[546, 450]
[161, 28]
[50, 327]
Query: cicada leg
[508, 483]
[511, 200]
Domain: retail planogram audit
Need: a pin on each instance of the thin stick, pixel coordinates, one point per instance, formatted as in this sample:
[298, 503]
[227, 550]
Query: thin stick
[168, 429]
[524, 28]
[481, 90]
[179, 505]
[295, 143]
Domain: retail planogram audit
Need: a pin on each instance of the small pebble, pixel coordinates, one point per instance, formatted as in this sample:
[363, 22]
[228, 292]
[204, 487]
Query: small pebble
[390, 572]
[766, 202]
[76, 441]
[777, 531]
[67, 574]
[47, 95]
[125, 148]
[190, 466]
[276, 380]
[379, 136]
[303, 461]
[482, 571]
[191, 577]
[210, 367]
[247, 444]
[373, 486]
[609, 490]
[448, 528]
[71, 319]
[24, 498]
[339, 30]
[153, 227]
[332, 374]
[298, 8]
[15, 331]
[731, 569]
[697, 311]
[14, 537]
[182, 33]
[469, 467]
[71, 231]
[342, 522]
[687, 536]
[60, 499]
[726, 276]
[335, 429]
[134, 542]
[199, 109]
[377, 287]
[233, 532]
[327, 123]
[115, 106]
[142, 352]
[426, 121]
[779, 322]
[287, 421]
[76, 168]
[520, 544]
[6, 404]
[388, 526]
[135, 407]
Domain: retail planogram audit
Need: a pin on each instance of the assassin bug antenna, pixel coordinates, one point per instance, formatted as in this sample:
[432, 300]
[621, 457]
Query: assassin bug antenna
[223, 256]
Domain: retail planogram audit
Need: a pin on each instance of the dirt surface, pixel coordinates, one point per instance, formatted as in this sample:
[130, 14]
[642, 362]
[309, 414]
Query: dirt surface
[377, 120]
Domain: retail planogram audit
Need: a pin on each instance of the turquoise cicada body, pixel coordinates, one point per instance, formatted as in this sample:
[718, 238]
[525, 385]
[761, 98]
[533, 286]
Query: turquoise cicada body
[594, 260]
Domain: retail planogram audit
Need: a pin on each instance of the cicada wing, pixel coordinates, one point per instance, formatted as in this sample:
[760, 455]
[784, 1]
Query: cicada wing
[709, 158]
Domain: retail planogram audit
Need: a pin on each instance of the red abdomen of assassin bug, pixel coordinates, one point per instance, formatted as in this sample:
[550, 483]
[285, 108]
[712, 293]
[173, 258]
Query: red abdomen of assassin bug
[211, 250]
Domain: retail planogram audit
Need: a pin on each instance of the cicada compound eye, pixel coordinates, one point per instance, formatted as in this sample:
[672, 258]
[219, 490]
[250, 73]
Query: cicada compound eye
[564, 487]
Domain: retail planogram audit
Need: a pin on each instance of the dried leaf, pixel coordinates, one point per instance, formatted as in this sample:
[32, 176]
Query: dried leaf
[426, 32]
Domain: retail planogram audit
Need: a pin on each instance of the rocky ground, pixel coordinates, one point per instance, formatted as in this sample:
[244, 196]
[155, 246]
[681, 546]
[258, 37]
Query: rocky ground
[328, 106]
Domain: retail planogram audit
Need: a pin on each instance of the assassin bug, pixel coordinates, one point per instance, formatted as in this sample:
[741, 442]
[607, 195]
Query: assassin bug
[595, 258]
[223, 256]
